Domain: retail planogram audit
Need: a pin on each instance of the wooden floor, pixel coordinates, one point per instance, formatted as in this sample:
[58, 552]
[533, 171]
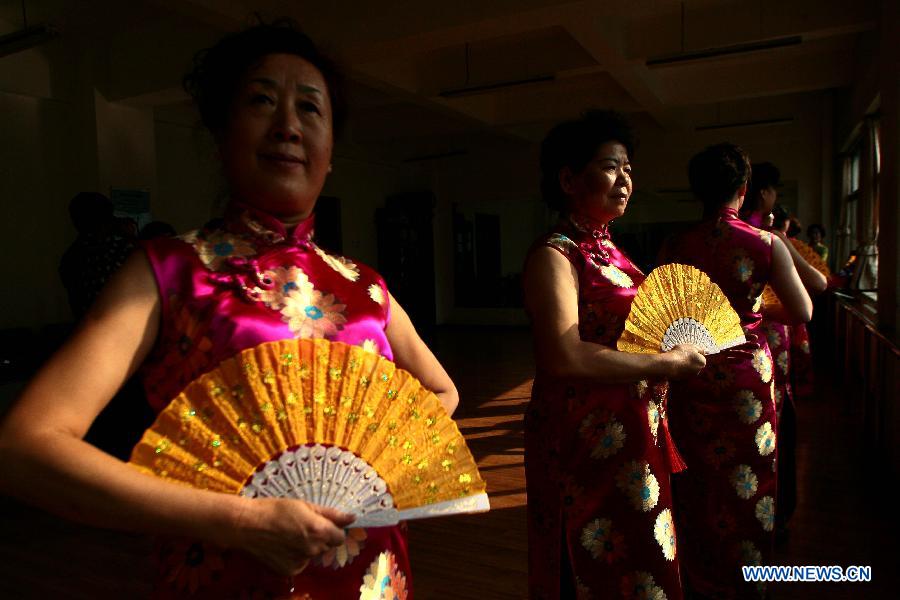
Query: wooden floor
[846, 515]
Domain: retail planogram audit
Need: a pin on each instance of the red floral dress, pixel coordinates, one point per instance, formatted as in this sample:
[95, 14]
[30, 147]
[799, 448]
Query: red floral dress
[233, 286]
[724, 422]
[596, 456]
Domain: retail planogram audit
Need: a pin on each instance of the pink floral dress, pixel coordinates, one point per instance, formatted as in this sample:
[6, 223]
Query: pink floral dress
[724, 422]
[232, 286]
[597, 457]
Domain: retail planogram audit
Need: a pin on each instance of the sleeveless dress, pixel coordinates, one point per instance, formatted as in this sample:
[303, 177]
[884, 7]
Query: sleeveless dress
[233, 285]
[724, 422]
[782, 344]
[597, 456]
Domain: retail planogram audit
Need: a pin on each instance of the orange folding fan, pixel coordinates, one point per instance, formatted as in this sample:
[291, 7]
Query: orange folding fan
[811, 256]
[322, 421]
[679, 304]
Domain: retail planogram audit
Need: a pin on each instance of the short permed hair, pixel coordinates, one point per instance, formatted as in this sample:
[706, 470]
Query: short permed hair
[780, 216]
[765, 175]
[717, 172]
[217, 71]
[574, 144]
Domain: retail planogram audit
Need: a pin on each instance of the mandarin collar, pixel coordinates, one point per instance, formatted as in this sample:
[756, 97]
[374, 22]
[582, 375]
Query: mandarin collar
[728, 213]
[247, 219]
[584, 224]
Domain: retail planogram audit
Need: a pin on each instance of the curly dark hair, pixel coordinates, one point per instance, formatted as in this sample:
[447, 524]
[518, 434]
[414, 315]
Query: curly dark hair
[574, 143]
[765, 175]
[217, 71]
[716, 173]
[780, 216]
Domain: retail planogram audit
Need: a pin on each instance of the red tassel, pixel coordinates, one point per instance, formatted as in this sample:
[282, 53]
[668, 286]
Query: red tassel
[676, 463]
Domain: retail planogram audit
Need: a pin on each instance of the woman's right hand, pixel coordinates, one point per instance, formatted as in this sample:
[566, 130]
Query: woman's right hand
[285, 533]
[684, 360]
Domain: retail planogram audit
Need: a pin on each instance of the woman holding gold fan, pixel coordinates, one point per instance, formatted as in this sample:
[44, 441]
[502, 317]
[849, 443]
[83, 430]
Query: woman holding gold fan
[180, 307]
[724, 420]
[597, 451]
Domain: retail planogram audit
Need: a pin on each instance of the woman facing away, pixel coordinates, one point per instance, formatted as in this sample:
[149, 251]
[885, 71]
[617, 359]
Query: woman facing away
[724, 421]
[597, 451]
[176, 310]
[780, 333]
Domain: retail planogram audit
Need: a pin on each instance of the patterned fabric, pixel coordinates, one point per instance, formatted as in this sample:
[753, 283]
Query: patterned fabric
[233, 286]
[724, 422]
[778, 335]
[596, 462]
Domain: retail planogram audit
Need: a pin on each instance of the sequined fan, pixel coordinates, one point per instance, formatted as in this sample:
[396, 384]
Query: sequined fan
[811, 256]
[322, 421]
[679, 304]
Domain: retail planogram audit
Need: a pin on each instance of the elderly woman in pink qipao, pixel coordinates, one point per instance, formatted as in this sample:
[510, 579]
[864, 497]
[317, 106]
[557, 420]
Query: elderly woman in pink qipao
[597, 452]
[272, 102]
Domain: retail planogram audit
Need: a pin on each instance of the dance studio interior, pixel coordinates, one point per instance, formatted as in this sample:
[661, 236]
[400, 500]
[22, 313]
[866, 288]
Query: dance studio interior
[435, 182]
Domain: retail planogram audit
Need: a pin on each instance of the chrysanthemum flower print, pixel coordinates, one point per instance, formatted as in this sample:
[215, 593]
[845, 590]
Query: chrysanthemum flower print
[603, 543]
[279, 283]
[664, 532]
[724, 523]
[765, 512]
[744, 481]
[743, 266]
[719, 451]
[370, 346]
[603, 432]
[640, 388]
[384, 580]
[748, 407]
[217, 247]
[639, 485]
[750, 554]
[762, 364]
[376, 293]
[773, 337]
[354, 542]
[313, 314]
[189, 566]
[784, 361]
[346, 267]
[653, 417]
[720, 376]
[640, 585]
[617, 276]
[765, 439]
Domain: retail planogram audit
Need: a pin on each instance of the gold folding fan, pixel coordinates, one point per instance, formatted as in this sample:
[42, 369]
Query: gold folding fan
[679, 304]
[769, 298]
[811, 256]
[322, 421]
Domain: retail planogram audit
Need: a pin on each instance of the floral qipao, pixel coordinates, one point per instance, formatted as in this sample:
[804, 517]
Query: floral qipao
[724, 421]
[596, 456]
[232, 286]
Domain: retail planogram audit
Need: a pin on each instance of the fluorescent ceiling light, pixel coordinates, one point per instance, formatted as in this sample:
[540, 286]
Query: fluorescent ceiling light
[693, 55]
